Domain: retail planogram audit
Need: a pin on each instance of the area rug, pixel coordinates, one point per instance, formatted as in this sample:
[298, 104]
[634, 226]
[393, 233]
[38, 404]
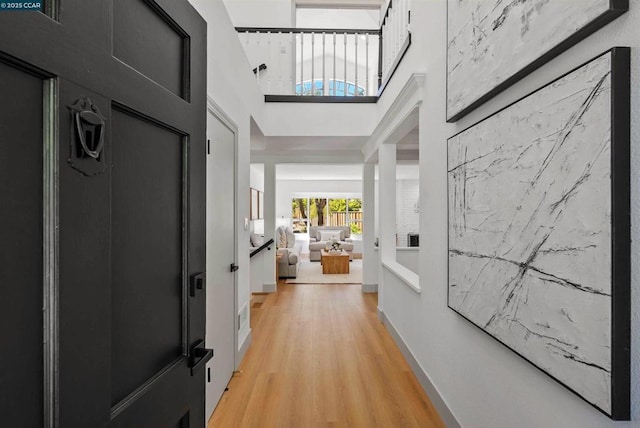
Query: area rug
[311, 273]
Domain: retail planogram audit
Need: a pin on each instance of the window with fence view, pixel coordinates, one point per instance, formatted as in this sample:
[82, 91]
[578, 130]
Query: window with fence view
[321, 211]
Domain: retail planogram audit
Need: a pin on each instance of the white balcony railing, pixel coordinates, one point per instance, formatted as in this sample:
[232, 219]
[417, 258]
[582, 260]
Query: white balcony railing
[396, 35]
[333, 63]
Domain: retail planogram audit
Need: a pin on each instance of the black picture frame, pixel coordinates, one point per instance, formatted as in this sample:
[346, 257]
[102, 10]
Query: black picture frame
[616, 8]
[253, 203]
[260, 205]
[620, 235]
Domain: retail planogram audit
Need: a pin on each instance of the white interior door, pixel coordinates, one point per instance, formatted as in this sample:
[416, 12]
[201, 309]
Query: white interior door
[221, 254]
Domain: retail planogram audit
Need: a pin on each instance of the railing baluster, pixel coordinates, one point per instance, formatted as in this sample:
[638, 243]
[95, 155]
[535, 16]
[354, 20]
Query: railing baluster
[367, 64]
[401, 21]
[380, 57]
[405, 19]
[268, 61]
[355, 90]
[292, 69]
[280, 76]
[385, 49]
[324, 86]
[345, 65]
[334, 65]
[394, 33]
[313, 65]
[396, 30]
[277, 47]
[258, 64]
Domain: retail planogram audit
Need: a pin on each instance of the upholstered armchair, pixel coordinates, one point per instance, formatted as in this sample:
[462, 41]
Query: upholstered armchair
[290, 249]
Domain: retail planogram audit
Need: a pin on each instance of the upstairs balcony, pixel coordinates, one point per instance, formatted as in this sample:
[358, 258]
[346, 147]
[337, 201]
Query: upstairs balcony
[328, 65]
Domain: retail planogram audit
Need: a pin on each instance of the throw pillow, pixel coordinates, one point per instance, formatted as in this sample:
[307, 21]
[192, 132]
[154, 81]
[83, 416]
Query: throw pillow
[256, 240]
[329, 235]
[291, 237]
[281, 238]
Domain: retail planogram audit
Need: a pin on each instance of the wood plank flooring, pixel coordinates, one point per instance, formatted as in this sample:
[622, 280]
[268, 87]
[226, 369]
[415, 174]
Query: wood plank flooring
[321, 358]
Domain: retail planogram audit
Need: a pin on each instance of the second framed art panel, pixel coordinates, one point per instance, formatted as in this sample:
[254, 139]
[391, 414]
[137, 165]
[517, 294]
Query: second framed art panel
[491, 44]
[539, 247]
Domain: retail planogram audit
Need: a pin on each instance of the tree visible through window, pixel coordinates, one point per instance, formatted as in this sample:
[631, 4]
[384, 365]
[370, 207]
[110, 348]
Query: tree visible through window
[299, 214]
[319, 211]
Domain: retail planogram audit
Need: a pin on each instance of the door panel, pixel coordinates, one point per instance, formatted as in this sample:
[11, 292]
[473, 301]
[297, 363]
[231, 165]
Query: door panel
[156, 49]
[125, 228]
[147, 251]
[21, 273]
[221, 326]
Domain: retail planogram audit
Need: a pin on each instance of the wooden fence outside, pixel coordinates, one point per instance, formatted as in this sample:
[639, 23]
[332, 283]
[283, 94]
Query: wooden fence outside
[340, 218]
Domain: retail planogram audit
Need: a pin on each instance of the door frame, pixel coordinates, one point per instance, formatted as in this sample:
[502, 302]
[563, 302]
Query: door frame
[217, 112]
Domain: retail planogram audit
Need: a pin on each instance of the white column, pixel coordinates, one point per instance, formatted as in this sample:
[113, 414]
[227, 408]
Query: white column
[270, 282]
[387, 202]
[386, 213]
[369, 254]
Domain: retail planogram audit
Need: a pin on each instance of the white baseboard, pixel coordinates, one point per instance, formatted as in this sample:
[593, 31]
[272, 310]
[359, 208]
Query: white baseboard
[269, 288]
[428, 386]
[243, 348]
[369, 288]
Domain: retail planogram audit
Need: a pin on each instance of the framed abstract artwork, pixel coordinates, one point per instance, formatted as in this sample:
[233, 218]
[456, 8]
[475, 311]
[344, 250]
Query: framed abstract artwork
[491, 44]
[539, 229]
[253, 203]
[260, 204]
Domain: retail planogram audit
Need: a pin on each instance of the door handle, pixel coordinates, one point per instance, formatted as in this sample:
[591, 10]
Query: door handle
[199, 356]
[197, 283]
[234, 267]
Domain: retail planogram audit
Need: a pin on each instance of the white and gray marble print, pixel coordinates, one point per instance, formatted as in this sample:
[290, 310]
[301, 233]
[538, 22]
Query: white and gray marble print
[491, 40]
[530, 228]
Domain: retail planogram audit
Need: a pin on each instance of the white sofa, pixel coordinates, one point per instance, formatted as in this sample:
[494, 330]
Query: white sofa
[317, 243]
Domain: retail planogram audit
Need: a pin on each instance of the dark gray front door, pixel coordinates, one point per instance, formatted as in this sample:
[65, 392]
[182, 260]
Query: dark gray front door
[102, 216]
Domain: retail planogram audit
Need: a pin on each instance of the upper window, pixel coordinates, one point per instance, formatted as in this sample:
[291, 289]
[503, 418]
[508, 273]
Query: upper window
[335, 87]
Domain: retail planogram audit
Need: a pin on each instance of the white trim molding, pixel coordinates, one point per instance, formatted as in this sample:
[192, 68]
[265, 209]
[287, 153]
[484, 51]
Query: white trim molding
[243, 348]
[408, 99]
[216, 110]
[369, 288]
[408, 277]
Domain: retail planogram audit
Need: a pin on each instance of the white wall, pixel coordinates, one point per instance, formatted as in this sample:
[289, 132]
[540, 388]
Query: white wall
[347, 119]
[407, 219]
[261, 13]
[267, 50]
[484, 383]
[409, 258]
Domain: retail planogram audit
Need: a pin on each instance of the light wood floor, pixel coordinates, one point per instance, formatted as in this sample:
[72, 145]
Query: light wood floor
[321, 358]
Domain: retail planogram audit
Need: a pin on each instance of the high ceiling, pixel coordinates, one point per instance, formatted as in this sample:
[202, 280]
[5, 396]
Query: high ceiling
[408, 145]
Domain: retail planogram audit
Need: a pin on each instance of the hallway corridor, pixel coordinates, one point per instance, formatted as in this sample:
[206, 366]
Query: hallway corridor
[320, 357]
